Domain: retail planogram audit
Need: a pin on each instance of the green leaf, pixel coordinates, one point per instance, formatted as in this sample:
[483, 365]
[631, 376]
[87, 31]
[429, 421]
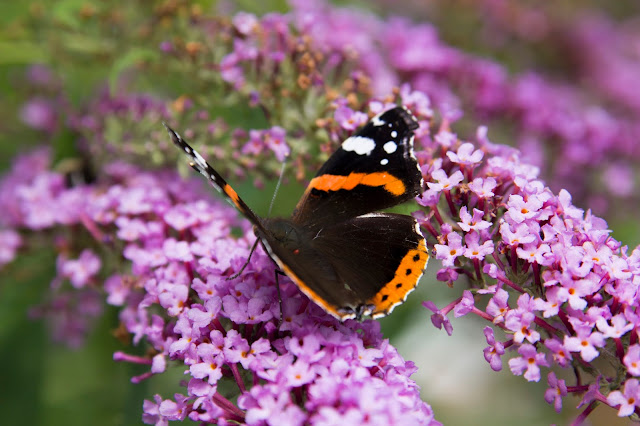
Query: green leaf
[67, 12]
[131, 58]
[21, 52]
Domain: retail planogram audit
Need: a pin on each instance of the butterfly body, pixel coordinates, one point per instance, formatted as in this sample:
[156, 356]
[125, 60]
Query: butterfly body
[347, 258]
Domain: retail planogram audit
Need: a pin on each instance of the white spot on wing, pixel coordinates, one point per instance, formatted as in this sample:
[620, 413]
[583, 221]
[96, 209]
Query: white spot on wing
[416, 227]
[358, 144]
[394, 134]
[199, 160]
[376, 120]
[384, 161]
[390, 147]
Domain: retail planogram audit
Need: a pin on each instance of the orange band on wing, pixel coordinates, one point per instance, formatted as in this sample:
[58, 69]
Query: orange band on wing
[336, 182]
[230, 192]
[233, 195]
[404, 281]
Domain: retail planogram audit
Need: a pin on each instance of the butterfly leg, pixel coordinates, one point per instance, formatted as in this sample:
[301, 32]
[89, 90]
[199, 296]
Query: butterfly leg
[237, 274]
[279, 272]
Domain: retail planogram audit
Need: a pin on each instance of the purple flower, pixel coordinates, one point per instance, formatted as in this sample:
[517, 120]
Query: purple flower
[556, 391]
[555, 297]
[474, 249]
[275, 140]
[560, 354]
[166, 46]
[534, 253]
[448, 275]
[445, 138]
[619, 326]
[268, 404]
[632, 360]
[299, 374]
[255, 144]
[244, 22]
[230, 71]
[627, 400]
[40, 114]
[475, 223]
[586, 343]
[151, 411]
[174, 410]
[10, 241]
[493, 352]
[210, 365]
[519, 210]
[349, 119]
[118, 289]
[81, 270]
[578, 289]
[177, 250]
[449, 252]
[172, 296]
[444, 182]
[498, 306]
[438, 318]
[466, 155]
[522, 234]
[520, 321]
[183, 216]
[465, 306]
[529, 363]
[313, 369]
[483, 188]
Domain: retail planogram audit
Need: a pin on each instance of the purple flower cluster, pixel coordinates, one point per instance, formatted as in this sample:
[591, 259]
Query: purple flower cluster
[560, 288]
[177, 300]
[107, 125]
[559, 291]
[272, 139]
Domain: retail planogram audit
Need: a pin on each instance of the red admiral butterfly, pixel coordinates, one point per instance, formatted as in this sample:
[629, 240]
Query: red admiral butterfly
[348, 260]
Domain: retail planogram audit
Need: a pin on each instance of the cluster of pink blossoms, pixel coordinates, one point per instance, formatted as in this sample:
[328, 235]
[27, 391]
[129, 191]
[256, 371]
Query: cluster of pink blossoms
[178, 301]
[490, 219]
[562, 292]
[560, 288]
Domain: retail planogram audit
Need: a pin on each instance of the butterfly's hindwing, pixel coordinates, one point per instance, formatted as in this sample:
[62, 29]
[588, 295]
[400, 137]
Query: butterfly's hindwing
[367, 264]
[391, 257]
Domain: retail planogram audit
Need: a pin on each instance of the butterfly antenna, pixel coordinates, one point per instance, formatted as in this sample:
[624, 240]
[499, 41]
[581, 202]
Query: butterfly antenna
[275, 192]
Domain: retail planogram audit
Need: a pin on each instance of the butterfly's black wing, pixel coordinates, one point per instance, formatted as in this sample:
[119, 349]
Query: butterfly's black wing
[372, 170]
[362, 266]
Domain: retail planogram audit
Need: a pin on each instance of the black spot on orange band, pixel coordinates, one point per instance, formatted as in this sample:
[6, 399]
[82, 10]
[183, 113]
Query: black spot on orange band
[405, 280]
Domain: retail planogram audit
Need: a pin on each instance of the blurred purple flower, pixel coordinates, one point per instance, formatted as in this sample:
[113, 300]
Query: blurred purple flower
[41, 114]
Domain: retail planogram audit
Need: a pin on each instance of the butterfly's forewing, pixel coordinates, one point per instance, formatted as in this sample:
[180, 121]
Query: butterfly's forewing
[372, 170]
[198, 163]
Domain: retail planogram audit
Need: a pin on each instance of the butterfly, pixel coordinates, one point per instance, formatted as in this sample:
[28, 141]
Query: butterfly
[347, 257]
